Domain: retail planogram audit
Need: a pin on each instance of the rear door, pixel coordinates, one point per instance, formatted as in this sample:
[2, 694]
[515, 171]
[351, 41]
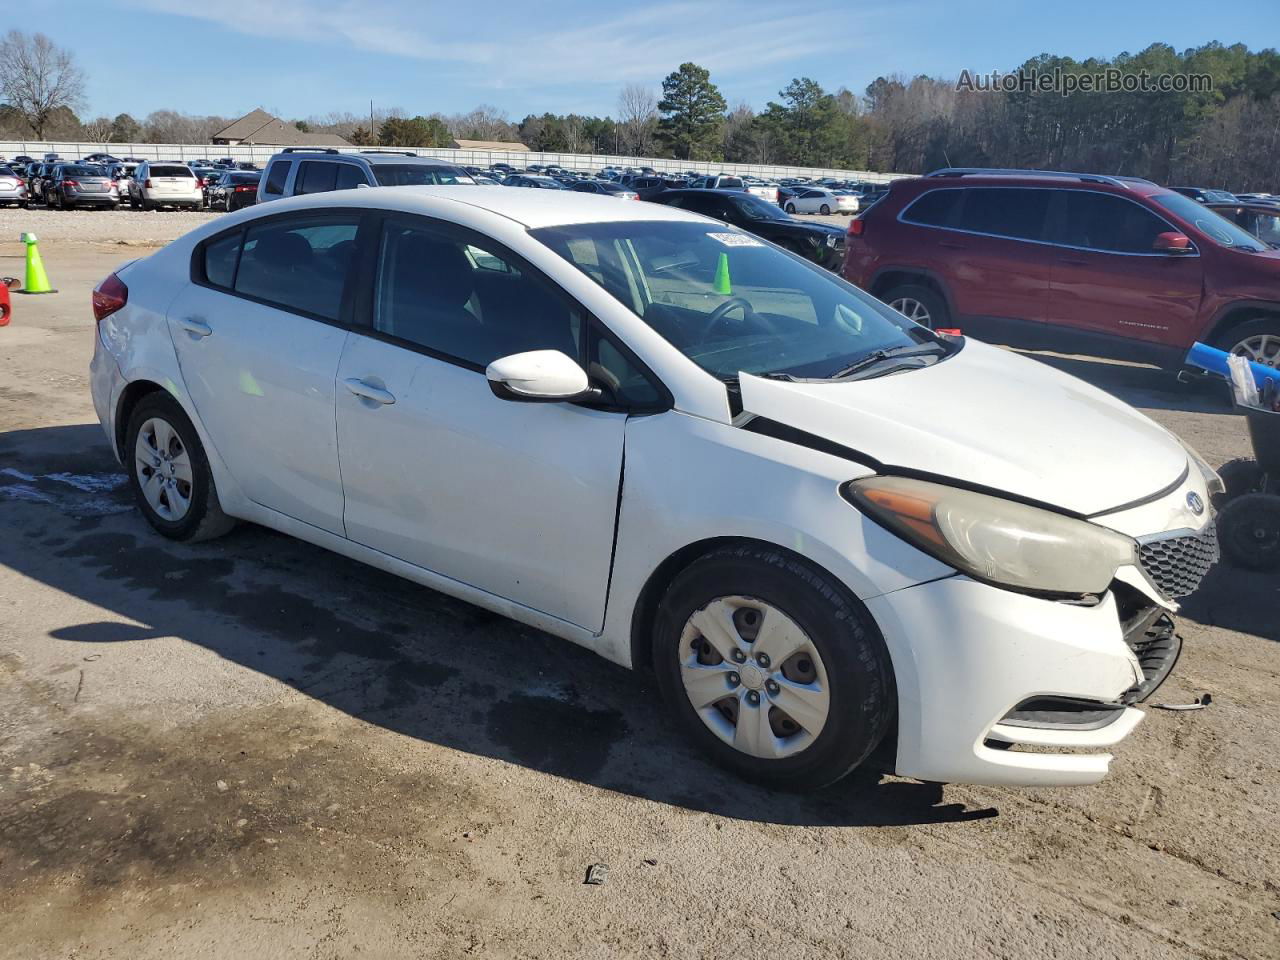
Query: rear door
[990, 256]
[258, 337]
[1106, 277]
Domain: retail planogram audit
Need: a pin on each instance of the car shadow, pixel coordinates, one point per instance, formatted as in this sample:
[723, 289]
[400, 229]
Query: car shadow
[380, 648]
[1141, 385]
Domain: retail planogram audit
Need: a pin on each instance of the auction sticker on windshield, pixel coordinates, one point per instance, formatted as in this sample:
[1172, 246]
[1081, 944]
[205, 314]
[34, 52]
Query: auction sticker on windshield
[736, 239]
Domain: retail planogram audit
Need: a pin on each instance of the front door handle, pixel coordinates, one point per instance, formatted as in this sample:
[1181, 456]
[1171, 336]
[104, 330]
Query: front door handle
[195, 326]
[369, 392]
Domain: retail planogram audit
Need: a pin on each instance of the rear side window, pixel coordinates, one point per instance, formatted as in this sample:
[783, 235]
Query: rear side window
[169, 170]
[298, 265]
[1100, 221]
[278, 176]
[937, 208]
[316, 177]
[1005, 212]
[220, 258]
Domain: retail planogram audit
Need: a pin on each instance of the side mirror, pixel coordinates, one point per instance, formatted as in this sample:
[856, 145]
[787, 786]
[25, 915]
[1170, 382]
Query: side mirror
[539, 376]
[1172, 243]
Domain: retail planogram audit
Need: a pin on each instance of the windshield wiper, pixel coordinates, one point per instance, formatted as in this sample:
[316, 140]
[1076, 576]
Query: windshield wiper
[890, 353]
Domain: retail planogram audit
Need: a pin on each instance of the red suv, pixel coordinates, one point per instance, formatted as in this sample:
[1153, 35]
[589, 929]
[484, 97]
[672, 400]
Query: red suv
[1111, 266]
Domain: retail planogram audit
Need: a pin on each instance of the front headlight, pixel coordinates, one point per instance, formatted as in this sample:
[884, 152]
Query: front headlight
[995, 540]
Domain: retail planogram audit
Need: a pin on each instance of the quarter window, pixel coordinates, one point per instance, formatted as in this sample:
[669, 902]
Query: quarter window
[463, 301]
[298, 265]
[278, 176]
[937, 208]
[220, 260]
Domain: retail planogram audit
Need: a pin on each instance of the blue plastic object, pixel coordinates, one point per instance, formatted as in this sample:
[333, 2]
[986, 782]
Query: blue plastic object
[1213, 360]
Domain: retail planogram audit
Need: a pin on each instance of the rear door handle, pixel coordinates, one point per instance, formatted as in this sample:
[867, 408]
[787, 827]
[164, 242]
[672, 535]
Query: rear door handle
[369, 391]
[195, 326]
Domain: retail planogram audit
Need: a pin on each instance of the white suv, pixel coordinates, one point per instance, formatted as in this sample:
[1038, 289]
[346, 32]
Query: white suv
[682, 447]
[158, 184]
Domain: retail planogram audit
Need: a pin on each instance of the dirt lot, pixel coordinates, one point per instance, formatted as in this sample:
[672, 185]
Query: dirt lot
[255, 748]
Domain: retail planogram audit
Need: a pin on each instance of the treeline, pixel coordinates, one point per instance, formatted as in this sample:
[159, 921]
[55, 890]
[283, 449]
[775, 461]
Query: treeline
[1223, 133]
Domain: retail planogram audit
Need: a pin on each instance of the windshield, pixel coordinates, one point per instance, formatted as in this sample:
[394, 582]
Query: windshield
[730, 302]
[416, 175]
[753, 208]
[1213, 225]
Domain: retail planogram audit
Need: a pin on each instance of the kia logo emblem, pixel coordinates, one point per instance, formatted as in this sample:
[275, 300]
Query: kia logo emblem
[1195, 503]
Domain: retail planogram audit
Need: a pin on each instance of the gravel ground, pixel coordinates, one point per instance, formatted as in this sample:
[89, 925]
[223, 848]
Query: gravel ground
[251, 747]
[124, 226]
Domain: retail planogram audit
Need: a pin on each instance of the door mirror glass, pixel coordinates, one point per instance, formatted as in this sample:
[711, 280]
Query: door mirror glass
[1172, 243]
[538, 376]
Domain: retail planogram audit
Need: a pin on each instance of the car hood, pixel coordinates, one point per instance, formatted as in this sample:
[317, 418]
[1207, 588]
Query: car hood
[990, 418]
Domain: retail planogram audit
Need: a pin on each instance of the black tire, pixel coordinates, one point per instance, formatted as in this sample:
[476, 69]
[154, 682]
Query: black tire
[133, 202]
[790, 208]
[1239, 476]
[934, 306]
[1231, 338]
[863, 703]
[204, 518]
[1249, 531]
[147, 205]
[825, 210]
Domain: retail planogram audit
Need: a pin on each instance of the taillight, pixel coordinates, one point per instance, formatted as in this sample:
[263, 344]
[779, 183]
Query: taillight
[71, 183]
[245, 188]
[108, 297]
[856, 226]
[146, 184]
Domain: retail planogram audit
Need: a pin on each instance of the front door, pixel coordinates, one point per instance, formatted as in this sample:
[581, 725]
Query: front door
[517, 499]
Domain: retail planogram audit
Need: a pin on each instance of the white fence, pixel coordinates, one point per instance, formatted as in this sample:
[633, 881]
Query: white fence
[475, 158]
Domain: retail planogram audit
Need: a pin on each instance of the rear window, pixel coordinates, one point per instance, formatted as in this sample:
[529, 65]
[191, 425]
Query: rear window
[244, 177]
[278, 176]
[82, 172]
[170, 170]
[417, 175]
[731, 183]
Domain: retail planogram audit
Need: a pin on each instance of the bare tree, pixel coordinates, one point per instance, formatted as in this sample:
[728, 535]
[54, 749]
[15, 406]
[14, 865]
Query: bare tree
[98, 129]
[485, 122]
[637, 118]
[38, 78]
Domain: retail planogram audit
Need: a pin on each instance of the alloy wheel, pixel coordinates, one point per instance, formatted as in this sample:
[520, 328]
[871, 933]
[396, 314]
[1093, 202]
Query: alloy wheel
[913, 309]
[754, 677]
[1263, 348]
[163, 467]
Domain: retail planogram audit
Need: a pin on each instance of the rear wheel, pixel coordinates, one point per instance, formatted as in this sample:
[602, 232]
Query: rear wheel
[1257, 340]
[772, 667]
[919, 303]
[169, 472]
[790, 208]
[825, 210]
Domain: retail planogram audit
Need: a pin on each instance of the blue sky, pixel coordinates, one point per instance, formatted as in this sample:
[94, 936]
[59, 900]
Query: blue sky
[297, 58]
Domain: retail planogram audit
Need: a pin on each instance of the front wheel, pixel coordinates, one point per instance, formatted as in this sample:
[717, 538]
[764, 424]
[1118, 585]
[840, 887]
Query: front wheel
[1257, 340]
[920, 304]
[1249, 531]
[772, 667]
[169, 472]
[790, 208]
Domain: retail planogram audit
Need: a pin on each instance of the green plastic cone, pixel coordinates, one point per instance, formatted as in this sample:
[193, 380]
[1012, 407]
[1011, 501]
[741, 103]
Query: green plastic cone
[37, 280]
[722, 285]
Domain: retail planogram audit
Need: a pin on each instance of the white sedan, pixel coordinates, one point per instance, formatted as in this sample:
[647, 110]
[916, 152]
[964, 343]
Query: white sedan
[674, 443]
[821, 200]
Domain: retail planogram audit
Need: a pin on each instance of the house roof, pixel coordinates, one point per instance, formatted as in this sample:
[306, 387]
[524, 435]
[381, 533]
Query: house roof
[516, 147]
[258, 126]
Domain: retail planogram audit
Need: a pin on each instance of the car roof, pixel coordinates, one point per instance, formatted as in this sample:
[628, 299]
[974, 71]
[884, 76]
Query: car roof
[530, 208]
[374, 157]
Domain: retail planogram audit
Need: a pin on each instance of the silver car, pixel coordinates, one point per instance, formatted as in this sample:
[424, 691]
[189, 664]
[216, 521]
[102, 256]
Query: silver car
[80, 185]
[13, 188]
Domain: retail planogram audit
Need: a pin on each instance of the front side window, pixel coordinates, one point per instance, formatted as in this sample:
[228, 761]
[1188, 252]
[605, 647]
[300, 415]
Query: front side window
[456, 298]
[731, 303]
[278, 176]
[298, 264]
[1101, 221]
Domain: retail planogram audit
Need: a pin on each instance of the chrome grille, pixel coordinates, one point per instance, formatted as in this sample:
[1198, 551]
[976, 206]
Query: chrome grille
[1177, 564]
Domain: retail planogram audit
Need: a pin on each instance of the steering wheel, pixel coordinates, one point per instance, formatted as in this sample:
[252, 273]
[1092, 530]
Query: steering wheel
[719, 313]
